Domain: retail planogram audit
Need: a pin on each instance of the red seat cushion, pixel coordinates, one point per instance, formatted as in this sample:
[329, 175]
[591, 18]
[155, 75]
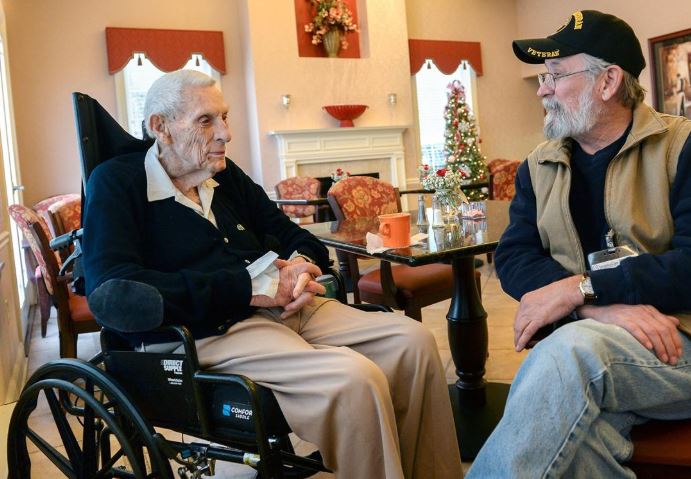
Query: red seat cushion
[79, 309]
[662, 442]
[420, 280]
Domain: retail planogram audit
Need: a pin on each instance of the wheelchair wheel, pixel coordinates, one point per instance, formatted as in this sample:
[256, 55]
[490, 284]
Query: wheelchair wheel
[89, 427]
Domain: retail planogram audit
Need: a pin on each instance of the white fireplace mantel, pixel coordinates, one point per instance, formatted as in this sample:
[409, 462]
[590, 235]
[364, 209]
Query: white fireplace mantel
[342, 146]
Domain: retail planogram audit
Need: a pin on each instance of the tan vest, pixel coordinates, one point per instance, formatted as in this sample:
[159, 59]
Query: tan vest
[637, 187]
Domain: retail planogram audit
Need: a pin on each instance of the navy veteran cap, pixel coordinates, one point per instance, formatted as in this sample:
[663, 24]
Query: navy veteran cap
[587, 31]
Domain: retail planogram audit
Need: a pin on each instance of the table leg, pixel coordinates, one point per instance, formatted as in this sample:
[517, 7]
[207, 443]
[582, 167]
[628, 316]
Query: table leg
[477, 406]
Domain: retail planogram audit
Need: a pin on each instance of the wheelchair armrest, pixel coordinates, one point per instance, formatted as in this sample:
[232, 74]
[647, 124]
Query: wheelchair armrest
[127, 306]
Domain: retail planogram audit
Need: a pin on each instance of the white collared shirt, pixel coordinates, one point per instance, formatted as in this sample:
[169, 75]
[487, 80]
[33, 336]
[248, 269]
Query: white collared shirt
[159, 186]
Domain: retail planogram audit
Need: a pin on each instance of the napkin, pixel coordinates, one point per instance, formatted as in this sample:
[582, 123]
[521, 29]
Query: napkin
[375, 243]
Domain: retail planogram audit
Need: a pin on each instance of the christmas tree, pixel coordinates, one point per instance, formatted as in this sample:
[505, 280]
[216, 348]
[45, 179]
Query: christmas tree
[461, 144]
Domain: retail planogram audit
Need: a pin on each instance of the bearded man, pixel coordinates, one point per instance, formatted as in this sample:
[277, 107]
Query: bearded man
[600, 232]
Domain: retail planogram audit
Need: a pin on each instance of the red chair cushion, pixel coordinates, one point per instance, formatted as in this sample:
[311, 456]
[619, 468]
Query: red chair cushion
[420, 280]
[79, 309]
[662, 442]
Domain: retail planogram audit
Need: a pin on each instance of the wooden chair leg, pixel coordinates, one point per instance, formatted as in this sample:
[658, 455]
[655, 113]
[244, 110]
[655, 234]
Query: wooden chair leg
[68, 345]
[413, 311]
[44, 304]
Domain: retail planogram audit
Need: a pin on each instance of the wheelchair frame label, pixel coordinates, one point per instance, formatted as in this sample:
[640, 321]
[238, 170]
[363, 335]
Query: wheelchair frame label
[241, 413]
[173, 366]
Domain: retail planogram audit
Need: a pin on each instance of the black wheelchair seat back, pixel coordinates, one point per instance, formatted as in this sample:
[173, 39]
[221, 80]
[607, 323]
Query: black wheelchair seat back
[100, 136]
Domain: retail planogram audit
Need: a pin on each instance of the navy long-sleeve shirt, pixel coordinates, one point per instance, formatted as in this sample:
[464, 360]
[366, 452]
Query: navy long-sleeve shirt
[523, 265]
[199, 269]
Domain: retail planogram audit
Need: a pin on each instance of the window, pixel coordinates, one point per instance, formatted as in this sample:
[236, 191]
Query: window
[431, 88]
[133, 82]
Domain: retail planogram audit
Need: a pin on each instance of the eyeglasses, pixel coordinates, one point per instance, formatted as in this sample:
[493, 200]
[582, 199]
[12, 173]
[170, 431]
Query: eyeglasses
[550, 79]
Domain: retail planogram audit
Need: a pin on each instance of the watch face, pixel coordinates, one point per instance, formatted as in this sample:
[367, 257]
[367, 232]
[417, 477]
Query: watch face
[588, 286]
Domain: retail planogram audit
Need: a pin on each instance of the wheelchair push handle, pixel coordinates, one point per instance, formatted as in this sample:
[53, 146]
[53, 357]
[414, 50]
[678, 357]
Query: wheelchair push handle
[64, 241]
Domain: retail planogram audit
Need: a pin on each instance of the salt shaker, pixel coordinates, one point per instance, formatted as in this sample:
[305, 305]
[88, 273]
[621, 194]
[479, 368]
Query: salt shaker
[421, 216]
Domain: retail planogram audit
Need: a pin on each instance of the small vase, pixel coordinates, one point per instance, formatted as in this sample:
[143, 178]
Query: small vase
[332, 42]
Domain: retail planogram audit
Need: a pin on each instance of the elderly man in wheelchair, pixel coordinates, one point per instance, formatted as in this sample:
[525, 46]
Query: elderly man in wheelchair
[208, 299]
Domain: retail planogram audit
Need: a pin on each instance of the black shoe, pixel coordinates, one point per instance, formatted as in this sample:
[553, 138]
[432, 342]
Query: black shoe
[127, 306]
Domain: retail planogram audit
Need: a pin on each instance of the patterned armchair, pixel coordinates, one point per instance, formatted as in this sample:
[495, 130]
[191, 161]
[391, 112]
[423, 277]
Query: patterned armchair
[362, 196]
[398, 286]
[502, 176]
[298, 188]
[65, 215]
[42, 207]
[74, 316]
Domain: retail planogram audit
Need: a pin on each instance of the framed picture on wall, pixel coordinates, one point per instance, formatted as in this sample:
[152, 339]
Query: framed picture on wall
[670, 58]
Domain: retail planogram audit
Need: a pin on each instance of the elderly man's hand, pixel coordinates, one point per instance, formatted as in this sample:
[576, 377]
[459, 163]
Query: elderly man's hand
[296, 286]
[545, 306]
[654, 330]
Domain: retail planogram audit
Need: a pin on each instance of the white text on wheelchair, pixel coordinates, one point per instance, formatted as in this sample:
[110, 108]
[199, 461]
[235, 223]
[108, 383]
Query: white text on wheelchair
[237, 412]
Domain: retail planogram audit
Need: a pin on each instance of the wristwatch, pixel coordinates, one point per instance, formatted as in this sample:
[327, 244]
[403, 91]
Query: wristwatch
[586, 289]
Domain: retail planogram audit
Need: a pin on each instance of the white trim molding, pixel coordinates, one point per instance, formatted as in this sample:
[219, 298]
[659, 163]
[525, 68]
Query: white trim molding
[342, 146]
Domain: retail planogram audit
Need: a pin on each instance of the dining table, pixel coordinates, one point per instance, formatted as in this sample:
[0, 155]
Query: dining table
[477, 404]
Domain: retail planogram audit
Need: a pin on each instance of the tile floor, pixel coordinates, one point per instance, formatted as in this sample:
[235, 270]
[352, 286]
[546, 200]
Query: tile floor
[501, 366]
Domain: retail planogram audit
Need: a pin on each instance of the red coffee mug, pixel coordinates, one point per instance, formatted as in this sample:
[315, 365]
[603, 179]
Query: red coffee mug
[395, 229]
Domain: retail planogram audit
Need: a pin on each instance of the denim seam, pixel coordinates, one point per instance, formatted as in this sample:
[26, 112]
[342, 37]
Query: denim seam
[555, 463]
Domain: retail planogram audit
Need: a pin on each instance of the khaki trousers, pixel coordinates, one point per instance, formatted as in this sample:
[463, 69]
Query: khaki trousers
[367, 388]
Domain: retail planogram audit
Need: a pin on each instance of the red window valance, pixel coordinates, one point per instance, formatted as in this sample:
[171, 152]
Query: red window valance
[447, 55]
[167, 49]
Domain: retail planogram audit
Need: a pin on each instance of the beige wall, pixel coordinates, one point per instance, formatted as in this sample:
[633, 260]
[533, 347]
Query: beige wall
[537, 18]
[510, 116]
[314, 82]
[58, 47]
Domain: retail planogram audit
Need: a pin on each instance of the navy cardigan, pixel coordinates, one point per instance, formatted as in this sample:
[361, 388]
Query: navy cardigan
[198, 268]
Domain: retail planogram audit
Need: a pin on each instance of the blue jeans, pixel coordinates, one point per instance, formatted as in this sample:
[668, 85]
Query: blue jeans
[573, 403]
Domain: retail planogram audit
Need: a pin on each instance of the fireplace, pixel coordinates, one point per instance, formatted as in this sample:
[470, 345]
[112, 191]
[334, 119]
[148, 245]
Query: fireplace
[363, 150]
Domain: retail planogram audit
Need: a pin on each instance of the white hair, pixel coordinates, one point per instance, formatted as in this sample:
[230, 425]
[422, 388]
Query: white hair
[630, 93]
[165, 97]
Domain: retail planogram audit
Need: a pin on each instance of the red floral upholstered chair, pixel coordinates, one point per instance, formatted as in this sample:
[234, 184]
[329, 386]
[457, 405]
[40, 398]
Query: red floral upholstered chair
[502, 174]
[74, 316]
[398, 286]
[361, 196]
[42, 207]
[298, 188]
[66, 215]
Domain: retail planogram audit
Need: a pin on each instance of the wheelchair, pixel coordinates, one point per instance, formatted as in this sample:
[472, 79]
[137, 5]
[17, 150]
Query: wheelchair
[107, 410]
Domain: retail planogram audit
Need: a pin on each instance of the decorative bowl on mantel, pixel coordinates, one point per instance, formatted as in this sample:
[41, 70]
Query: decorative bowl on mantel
[345, 113]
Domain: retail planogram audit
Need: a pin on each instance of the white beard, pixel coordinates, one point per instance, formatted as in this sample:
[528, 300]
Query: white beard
[561, 123]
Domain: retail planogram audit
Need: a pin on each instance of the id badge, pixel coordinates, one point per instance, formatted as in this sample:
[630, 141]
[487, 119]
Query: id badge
[610, 257]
